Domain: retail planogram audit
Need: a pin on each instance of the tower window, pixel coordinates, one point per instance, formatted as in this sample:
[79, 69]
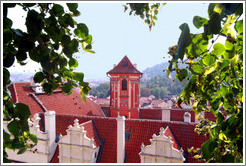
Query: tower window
[124, 84]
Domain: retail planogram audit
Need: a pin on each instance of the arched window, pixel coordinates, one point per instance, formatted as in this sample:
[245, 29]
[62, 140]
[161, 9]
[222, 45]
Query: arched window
[124, 84]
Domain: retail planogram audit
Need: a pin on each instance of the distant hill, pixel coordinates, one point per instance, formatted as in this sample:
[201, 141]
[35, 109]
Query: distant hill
[157, 71]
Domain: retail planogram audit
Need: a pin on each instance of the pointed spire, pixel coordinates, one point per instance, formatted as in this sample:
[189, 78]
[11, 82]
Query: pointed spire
[125, 66]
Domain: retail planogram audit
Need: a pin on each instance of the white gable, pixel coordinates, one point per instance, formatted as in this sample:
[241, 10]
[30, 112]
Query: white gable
[160, 150]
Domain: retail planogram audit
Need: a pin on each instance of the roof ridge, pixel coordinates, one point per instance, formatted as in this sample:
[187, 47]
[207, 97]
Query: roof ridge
[16, 97]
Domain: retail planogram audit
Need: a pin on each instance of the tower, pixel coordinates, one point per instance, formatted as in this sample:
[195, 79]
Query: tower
[124, 89]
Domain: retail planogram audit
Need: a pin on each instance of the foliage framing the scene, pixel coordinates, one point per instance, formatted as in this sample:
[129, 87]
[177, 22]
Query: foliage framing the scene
[216, 78]
[52, 37]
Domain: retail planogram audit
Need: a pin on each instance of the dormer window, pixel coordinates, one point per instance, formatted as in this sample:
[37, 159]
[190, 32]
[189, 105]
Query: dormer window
[125, 63]
[124, 84]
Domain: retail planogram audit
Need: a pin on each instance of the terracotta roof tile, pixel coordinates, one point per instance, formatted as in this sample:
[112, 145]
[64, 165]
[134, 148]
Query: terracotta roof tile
[91, 132]
[141, 132]
[124, 67]
[151, 114]
[58, 102]
[178, 115]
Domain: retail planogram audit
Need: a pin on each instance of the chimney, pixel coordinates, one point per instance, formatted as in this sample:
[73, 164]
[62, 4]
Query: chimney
[135, 65]
[50, 127]
[166, 113]
[120, 139]
[187, 117]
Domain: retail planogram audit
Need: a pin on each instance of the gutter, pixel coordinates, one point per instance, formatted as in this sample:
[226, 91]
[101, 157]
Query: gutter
[38, 101]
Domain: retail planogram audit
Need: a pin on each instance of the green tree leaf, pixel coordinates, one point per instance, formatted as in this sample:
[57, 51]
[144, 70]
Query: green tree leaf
[197, 68]
[184, 40]
[22, 110]
[34, 139]
[67, 88]
[21, 151]
[81, 31]
[207, 149]
[182, 74]
[199, 21]
[208, 60]
[39, 77]
[14, 128]
[72, 6]
[218, 49]
[73, 63]
[47, 88]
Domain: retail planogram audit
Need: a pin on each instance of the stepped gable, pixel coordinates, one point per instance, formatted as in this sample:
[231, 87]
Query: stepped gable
[106, 128]
[58, 101]
[124, 67]
[91, 132]
[141, 131]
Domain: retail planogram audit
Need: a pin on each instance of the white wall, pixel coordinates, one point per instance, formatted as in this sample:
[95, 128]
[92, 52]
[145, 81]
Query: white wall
[43, 151]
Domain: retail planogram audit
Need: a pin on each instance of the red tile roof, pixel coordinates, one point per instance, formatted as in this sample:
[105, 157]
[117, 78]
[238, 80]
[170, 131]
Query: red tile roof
[58, 101]
[102, 101]
[106, 111]
[141, 132]
[124, 67]
[168, 132]
[91, 132]
[150, 114]
[178, 114]
[106, 128]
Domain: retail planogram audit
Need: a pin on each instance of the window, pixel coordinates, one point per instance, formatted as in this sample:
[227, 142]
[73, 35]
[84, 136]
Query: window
[125, 64]
[127, 136]
[124, 84]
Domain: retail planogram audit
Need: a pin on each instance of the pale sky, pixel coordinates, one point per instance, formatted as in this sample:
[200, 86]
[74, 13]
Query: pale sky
[116, 34]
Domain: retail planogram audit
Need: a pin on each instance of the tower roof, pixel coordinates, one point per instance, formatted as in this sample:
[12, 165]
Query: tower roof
[124, 67]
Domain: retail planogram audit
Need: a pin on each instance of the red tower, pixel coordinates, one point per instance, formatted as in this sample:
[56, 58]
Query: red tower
[124, 89]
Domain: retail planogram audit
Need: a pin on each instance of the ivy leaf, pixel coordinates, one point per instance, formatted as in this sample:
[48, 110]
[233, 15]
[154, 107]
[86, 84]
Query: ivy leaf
[184, 40]
[199, 21]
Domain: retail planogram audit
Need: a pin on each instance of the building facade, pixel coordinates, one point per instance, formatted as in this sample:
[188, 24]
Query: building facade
[124, 89]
